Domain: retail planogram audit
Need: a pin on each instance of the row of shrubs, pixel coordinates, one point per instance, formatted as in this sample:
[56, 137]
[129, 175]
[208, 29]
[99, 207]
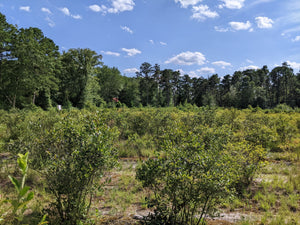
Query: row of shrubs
[196, 156]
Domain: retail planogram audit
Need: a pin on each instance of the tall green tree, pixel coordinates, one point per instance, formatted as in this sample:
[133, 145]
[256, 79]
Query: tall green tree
[110, 81]
[282, 78]
[148, 83]
[185, 89]
[7, 32]
[31, 68]
[225, 91]
[129, 95]
[166, 86]
[78, 67]
[175, 81]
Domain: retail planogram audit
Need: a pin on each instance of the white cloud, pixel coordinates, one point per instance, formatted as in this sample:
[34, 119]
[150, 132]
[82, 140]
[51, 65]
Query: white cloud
[46, 10]
[117, 6]
[187, 58]
[97, 8]
[249, 61]
[127, 29]
[163, 43]
[240, 25]
[222, 64]
[202, 12]
[294, 65]
[250, 67]
[50, 22]
[193, 74]
[297, 38]
[232, 4]
[264, 22]
[121, 6]
[206, 70]
[186, 3]
[181, 71]
[131, 70]
[202, 71]
[77, 17]
[151, 41]
[25, 8]
[131, 51]
[221, 29]
[65, 11]
[111, 53]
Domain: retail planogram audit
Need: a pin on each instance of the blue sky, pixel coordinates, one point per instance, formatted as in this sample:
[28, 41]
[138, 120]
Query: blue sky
[197, 37]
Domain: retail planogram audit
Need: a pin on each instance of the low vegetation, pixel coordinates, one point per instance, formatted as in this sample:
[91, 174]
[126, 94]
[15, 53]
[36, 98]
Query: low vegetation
[182, 165]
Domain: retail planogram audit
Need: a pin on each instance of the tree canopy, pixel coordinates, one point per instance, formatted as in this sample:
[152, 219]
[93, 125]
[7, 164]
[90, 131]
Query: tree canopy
[34, 72]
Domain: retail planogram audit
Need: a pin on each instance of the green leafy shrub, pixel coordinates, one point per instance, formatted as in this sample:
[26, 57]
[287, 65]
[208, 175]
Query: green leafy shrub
[192, 175]
[23, 197]
[80, 150]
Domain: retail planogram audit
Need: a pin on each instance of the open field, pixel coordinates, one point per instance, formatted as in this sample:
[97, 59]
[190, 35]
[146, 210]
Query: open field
[272, 140]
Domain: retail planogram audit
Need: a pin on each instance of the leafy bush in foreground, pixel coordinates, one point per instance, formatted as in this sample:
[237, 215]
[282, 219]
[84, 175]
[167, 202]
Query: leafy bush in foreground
[195, 172]
[80, 150]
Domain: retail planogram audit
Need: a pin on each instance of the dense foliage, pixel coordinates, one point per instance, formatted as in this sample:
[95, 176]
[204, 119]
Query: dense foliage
[198, 156]
[193, 156]
[34, 72]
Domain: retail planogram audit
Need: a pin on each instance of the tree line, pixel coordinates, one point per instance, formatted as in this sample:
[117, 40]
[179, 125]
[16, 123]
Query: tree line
[34, 72]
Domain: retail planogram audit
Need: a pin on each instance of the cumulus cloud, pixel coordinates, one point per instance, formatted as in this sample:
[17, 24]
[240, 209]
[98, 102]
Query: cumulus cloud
[222, 64]
[187, 58]
[50, 22]
[151, 41]
[46, 10]
[202, 71]
[221, 29]
[206, 70]
[186, 3]
[264, 22]
[127, 29]
[117, 6]
[97, 8]
[131, 70]
[111, 53]
[250, 67]
[66, 11]
[163, 43]
[297, 38]
[131, 51]
[232, 4]
[294, 65]
[240, 25]
[25, 8]
[202, 12]
[121, 6]
[77, 17]
[181, 71]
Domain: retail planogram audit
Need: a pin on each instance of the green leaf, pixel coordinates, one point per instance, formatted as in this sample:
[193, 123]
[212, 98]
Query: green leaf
[15, 204]
[15, 183]
[23, 191]
[22, 161]
[43, 221]
[30, 196]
